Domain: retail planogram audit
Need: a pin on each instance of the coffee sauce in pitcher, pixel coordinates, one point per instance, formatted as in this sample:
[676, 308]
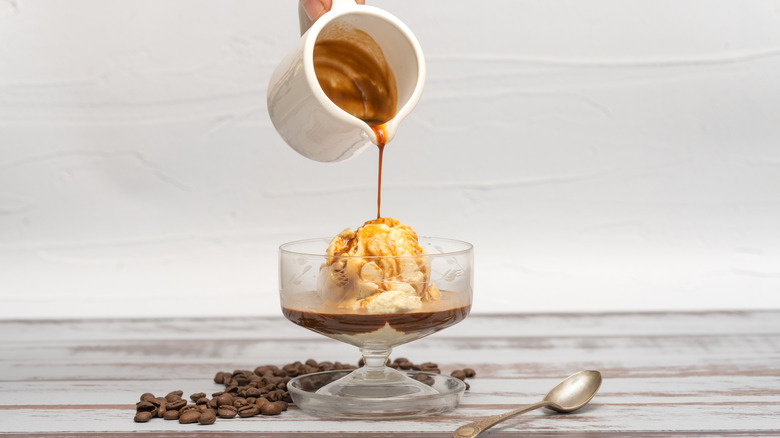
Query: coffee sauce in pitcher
[352, 71]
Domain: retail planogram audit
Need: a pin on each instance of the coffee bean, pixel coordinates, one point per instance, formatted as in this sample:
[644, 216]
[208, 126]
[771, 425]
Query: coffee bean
[142, 417]
[147, 396]
[308, 369]
[144, 406]
[469, 372]
[275, 395]
[198, 395]
[224, 399]
[430, 367]
[172, 397]
[282, 404]
[213, 403]
[266, 370]
[459, 374]
[207, 417]
[188, 408]
[248, 411]
[227, 411]
[270, 409]
[219, 377]
[261, 401]
[171, 415]
[291, 370]
[424, 378]
[176, 405]
[201, 401]
[191, 416]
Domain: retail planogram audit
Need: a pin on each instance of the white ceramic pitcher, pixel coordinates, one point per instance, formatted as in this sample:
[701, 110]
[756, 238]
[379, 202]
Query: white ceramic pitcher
[310, 122]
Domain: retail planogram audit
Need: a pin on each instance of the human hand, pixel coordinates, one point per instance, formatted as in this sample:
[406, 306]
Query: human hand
[315, 8]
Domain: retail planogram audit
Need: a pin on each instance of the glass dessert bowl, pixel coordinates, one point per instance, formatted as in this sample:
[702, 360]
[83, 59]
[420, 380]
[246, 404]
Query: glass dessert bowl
[375, 302]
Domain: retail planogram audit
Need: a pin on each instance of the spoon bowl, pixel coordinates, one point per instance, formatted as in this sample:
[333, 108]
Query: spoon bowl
[574, 391]
[570, 394]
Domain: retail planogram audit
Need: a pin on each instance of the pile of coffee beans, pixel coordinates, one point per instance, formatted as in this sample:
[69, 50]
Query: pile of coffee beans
[262, 391]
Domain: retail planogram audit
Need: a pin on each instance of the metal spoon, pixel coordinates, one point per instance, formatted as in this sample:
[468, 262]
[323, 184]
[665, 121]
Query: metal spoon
[569, 395]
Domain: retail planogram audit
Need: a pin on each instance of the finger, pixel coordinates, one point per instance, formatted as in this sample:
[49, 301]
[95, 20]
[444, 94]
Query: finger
[315, 8]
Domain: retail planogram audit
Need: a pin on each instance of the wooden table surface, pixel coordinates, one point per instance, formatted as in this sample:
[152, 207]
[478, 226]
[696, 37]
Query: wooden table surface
[711, 374]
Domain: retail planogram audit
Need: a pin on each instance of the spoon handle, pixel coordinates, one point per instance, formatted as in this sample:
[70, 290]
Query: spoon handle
[471, 430]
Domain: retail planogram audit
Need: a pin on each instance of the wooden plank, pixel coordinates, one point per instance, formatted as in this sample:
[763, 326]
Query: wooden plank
[617, 356]
[476, 325]
[502, 393]
[493, 433]
[603, 417]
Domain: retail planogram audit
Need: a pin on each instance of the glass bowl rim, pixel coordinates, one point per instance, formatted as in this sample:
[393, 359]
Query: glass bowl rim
[467, 247]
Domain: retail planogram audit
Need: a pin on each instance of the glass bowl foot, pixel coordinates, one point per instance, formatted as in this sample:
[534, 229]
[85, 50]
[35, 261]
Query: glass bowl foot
[340, 394]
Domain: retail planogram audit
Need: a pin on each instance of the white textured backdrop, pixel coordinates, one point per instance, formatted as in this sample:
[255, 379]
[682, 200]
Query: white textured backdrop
[601, 155]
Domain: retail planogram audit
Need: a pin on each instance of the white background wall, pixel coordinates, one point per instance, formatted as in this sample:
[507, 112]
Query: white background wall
[601, 155]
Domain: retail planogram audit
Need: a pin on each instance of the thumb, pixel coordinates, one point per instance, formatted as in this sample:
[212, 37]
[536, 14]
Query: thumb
[315, 8]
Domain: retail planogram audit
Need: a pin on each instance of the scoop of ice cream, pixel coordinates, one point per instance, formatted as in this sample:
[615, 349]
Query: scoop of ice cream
[379, 268]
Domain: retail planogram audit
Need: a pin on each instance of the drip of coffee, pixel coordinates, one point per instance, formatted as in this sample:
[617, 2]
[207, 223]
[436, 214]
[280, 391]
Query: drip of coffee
[352, 71]
[381, 137]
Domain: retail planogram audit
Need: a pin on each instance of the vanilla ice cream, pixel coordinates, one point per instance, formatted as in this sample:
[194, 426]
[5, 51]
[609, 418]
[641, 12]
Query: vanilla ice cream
[359, 275]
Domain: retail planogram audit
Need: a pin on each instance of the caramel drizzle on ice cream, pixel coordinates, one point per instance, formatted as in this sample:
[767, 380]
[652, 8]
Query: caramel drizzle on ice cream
[379, 268]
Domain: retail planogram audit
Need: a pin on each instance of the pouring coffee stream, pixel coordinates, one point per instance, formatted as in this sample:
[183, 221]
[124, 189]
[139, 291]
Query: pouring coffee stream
[380, 142]
[352, 71]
